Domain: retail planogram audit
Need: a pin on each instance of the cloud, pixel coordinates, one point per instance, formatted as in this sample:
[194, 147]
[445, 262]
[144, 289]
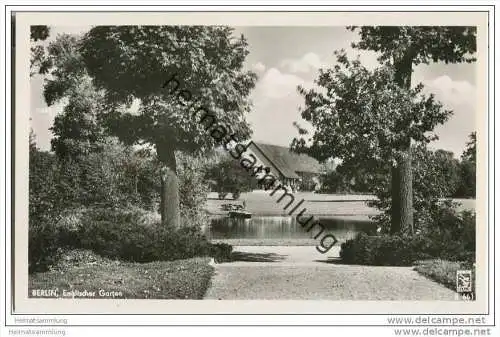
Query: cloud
[460, 97]
[307, 63]
[452, 93]
[275, 84]
[259, 67]
[276, 103]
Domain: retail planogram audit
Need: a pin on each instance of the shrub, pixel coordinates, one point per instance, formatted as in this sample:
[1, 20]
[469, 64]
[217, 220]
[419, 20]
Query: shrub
[435, 176]
[221, 252]
[67, 228]
[380, 250]
[118, 233]
[43, 249]
[194, 218]
[116, 175]
[227, 176]
[44, 203]
[452, 237]
[193, 188]
[453, 234]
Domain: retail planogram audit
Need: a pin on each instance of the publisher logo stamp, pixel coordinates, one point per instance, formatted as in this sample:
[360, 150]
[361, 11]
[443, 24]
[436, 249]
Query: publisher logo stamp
[464, 281]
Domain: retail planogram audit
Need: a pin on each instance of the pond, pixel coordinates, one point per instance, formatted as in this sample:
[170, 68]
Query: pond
[286, 227]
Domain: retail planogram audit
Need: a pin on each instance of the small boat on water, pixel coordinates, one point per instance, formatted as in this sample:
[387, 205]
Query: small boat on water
[240, 214]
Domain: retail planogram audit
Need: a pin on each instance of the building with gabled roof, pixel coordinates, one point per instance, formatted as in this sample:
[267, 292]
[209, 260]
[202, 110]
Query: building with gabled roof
[292, 169]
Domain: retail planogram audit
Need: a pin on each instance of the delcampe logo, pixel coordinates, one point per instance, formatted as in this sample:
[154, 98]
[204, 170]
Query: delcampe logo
[464, 281]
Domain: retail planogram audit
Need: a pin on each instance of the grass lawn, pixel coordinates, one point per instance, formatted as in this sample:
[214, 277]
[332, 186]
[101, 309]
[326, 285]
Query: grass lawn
[181, 279]
[444, 272]
[261, 203]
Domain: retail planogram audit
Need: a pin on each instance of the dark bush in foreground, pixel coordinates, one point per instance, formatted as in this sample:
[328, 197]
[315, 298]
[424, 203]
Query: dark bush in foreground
[43, 250]
[393, 250]
[449, 236]
[221, 252]
[127, 234]
[45, 199]
[384, 250]
[120, 234]
[454, 235]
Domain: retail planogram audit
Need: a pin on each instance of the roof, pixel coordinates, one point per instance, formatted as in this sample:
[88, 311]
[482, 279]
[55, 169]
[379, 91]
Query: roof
[288, 162]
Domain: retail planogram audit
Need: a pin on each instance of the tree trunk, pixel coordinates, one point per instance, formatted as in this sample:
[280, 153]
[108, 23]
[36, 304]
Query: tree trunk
[395, 201]
[169, 196]
[406, 192]
[402, 179]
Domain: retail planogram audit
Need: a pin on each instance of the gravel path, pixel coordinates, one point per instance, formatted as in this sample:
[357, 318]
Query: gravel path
[302, 273]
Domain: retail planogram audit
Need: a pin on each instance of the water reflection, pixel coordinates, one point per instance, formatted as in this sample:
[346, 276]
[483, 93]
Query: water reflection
[280, 227]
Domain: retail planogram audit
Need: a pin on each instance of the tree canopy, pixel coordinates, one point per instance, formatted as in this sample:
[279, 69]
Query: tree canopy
[470, 151]
[401, 48]
[451, 44]
[134, 63]
[363, 117]
[37, 33]
[171, 73]
[228, 176]
[78, 129]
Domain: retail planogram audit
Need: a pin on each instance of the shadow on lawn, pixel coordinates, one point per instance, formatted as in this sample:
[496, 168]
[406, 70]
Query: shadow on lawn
[256, 257]
[331, 260]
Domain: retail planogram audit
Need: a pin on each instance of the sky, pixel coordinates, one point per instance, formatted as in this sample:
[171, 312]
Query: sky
[285, 57]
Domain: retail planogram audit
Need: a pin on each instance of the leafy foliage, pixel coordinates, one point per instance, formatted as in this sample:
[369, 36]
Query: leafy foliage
[392, 250]
[173, 73]
[134, 62]
[467, 185]
[192, 186]
[78, 131]
[117, 175]
[451, 236]
[470, 152]
[364, 117]
[333, 182]
[193, 189]
[368, 118]
[118, 233]
[419, 44]
[37, 33]
[63, 67]
[435, 176]
[44, 203]
[228, 176]
[221, 252]
[403, 47]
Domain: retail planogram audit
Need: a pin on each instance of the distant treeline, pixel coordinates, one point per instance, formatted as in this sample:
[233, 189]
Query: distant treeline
[455, 177]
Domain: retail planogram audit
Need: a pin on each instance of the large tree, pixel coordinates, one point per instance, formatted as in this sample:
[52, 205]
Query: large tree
[227, 176]
[38, 57]
[470, 151]
[175, 73]
[365, 118]
[78, 129]
[467, 186]
[404, 47]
